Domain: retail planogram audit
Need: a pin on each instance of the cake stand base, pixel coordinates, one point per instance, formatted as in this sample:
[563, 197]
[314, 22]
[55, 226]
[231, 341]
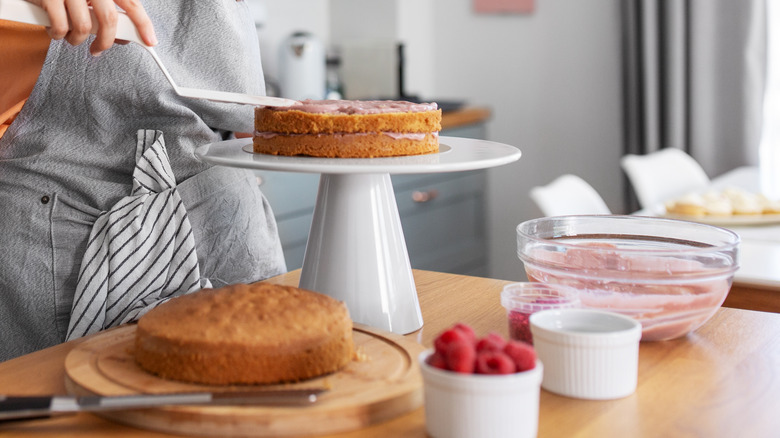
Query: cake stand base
[356, 252]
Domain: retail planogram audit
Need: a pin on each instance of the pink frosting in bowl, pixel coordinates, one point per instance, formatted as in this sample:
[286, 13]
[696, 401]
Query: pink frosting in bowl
[671, 276]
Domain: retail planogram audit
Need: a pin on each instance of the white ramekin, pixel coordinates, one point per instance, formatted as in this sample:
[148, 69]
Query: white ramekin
[472, 405]
[588, 353]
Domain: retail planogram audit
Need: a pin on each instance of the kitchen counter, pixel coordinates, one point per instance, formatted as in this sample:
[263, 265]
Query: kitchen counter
[465, 116]
[721, 381]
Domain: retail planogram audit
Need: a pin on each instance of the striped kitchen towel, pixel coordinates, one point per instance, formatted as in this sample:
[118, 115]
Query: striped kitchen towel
[141, 252]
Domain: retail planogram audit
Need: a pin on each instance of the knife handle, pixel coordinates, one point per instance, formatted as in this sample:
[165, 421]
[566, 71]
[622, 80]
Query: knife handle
[13, 408]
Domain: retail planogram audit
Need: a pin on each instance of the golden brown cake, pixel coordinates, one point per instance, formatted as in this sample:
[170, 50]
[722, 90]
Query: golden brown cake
[686, 208]
[348, 129]
[245, 334]
[771, 206]
[726, 202]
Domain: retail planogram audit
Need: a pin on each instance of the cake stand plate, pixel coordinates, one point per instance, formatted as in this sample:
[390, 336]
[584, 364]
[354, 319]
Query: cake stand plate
[356, 250]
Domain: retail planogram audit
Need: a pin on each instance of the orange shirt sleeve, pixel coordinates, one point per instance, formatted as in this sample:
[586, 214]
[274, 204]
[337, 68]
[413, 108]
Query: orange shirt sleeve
[22, 53]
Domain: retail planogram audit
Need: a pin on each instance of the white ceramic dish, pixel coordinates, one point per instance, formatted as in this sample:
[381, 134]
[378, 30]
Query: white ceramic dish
[589, 354]
[725, 221]
[475, 405]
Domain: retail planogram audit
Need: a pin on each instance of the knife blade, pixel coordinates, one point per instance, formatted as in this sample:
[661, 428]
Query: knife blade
[21, 407]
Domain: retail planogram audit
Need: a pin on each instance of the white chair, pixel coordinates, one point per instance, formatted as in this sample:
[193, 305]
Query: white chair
[663, 175]
[568, 194]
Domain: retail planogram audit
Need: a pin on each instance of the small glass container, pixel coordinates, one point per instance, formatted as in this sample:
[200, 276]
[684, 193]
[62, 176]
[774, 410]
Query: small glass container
[521, 300]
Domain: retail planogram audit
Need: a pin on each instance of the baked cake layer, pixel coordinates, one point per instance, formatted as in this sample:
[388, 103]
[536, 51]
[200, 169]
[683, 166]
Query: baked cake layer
[299, 122]
[346, 145]
[245, 334]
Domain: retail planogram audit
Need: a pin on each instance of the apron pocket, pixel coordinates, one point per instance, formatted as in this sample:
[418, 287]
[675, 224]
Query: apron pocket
[71, 223]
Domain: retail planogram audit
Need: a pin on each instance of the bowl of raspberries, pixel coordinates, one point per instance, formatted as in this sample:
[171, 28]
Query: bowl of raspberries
[480, 385]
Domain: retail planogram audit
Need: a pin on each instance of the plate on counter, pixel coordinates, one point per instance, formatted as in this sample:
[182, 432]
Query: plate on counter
[725, 221]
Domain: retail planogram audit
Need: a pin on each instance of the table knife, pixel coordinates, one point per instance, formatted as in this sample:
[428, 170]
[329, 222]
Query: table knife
[19, 407]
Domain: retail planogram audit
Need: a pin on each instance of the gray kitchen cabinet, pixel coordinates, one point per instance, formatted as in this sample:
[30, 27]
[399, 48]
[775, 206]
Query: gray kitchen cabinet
[442, 214]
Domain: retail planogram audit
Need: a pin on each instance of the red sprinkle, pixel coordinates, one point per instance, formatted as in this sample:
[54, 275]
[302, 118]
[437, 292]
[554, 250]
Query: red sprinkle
[520, 327]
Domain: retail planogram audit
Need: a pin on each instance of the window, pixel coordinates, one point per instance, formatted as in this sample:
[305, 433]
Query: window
[769, 149]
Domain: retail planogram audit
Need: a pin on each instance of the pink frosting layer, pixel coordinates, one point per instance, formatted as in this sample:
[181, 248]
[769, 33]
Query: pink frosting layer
[359, 106]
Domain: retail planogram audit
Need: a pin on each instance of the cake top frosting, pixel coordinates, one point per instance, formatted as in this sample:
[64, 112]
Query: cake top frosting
[358, 106]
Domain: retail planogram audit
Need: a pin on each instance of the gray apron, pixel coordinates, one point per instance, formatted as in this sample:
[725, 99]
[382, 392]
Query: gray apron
[71, 153]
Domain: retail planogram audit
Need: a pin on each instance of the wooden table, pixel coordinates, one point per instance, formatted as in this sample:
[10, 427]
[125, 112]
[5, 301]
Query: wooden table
[721, 381]
[752, 297]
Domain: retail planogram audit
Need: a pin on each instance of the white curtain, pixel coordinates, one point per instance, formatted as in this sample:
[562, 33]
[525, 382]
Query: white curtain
[694, 78]
[769, 150]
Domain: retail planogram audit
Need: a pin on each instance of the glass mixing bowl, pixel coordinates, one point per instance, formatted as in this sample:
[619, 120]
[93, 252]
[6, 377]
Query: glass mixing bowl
[670, 275]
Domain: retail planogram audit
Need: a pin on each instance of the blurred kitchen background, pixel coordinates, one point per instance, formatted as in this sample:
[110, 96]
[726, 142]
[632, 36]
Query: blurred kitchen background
[549, 80]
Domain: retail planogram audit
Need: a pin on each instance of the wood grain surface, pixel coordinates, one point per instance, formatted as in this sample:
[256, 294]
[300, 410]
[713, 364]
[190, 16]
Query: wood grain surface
[383, 382]
[723, 380]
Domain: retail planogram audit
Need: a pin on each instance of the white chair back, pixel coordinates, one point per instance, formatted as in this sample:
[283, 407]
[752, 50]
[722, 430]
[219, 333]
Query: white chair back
[663, 175]
[568, 194]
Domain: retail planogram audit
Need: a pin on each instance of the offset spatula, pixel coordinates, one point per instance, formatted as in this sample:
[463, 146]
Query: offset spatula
[24, 12]
[15, 408]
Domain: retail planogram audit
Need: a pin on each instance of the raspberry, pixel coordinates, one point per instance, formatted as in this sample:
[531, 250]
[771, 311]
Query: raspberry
[457, 349]
[437, 360]
[467, 330]
[494, 362]
[522, 354]
[449, 336]
[492, 342]
[460, 356]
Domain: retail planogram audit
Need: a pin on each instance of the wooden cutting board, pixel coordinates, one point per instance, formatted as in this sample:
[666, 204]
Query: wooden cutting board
[382, 383]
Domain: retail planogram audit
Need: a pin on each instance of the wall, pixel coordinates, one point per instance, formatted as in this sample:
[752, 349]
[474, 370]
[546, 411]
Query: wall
[552, 79]
[284, 17]
[408, 21]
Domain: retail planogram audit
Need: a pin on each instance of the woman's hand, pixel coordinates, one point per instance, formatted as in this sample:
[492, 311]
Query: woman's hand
[70, 20]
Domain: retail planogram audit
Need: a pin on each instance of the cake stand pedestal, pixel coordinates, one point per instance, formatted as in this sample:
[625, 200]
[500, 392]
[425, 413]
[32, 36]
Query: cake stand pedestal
[356, 250]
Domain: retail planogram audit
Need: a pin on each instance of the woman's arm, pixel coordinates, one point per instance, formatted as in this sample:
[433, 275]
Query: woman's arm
[70, 19]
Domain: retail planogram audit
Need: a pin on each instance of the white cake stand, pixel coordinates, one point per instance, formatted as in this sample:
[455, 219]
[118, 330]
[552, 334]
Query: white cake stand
[356, 250]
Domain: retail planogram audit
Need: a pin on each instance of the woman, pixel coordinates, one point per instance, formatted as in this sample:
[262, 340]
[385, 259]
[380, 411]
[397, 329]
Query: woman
[99, 121]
